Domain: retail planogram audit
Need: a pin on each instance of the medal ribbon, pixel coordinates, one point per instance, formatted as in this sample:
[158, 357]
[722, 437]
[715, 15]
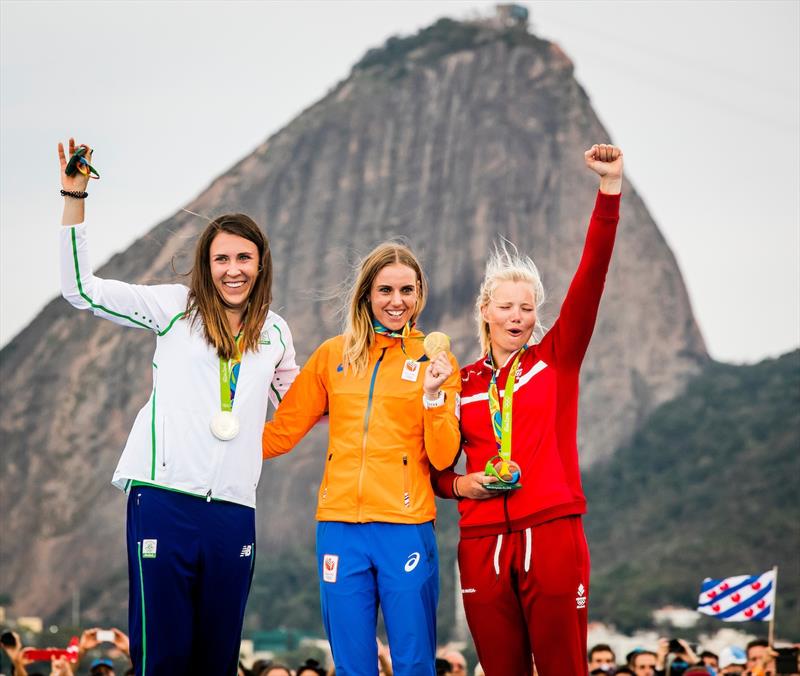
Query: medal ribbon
[501, 422]
[402, 335]
[228, 376]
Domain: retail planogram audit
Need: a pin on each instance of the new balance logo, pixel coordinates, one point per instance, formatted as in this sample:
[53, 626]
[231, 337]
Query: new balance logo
[247, 550]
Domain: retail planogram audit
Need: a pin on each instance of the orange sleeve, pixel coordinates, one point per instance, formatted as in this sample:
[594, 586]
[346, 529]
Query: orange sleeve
[304, 404]
[442, 432]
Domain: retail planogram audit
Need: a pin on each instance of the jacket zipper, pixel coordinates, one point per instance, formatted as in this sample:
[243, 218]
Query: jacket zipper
[366, 428]
[325, 481]
[406, 495]
[163, 442]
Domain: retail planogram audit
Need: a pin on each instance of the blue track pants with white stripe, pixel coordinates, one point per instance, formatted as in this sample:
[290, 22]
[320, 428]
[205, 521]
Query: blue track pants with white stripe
[190, 564]
[366, 565]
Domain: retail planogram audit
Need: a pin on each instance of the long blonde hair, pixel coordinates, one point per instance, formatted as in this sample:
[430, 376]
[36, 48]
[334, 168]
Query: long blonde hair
[358, 333]
[506, 264]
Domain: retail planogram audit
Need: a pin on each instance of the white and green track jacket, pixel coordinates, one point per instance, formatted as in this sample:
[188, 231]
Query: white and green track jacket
[170, 444]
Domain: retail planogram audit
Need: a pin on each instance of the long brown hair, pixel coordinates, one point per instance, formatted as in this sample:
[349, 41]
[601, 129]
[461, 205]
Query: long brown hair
[207, 306]
[359, 334]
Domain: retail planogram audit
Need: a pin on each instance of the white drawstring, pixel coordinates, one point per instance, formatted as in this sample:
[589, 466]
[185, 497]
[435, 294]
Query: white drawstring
[497, 554]
[527, 549]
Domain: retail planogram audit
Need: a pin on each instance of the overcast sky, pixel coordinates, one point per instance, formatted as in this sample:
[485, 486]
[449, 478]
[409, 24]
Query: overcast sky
[704, 98]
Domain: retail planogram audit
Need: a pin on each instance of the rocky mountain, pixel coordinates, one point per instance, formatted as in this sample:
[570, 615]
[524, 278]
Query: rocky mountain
[706, 488]
[450, 139]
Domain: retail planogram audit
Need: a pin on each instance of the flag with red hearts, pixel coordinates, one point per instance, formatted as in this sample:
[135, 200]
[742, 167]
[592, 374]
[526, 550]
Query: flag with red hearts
[742, 598]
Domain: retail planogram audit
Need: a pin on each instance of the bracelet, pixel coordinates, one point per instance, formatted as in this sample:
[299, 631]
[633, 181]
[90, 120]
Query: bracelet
[437, 401]
[455, 488]
[75, 194]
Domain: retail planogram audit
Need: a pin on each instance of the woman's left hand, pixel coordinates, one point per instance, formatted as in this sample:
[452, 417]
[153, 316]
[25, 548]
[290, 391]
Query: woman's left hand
[606, 161]
[439, 370]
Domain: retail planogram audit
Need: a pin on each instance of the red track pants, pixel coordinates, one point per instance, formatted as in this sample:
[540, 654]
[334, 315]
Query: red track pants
[526, 593]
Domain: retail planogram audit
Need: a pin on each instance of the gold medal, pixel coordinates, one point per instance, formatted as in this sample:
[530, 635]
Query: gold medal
[435, 343]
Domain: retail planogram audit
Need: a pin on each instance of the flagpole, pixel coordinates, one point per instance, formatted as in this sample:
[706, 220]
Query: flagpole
[774, 605]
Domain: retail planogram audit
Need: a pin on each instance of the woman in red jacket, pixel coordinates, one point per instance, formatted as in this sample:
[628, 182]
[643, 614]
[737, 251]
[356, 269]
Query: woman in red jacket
[523, 557]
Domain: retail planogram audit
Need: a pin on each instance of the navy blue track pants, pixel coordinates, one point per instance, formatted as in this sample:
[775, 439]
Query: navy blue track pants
[364, 565]
[190, 564]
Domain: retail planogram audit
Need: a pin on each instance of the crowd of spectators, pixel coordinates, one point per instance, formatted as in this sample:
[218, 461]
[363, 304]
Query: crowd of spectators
[676, 657]
[29, 661]
[670, 657]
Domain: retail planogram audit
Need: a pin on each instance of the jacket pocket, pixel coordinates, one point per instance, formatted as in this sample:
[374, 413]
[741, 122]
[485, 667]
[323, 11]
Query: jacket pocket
[163, 443]
[324, 494]
[406, 485]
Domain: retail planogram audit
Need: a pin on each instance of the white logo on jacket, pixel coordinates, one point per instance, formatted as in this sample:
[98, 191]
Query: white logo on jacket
[580, 599]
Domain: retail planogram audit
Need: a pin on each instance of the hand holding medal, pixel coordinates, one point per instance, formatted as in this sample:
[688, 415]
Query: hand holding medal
[507, 473]
[437, 348]
[76, 172]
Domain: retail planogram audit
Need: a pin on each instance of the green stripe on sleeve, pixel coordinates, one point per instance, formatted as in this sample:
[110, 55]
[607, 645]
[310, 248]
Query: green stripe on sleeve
[171, 322]
[97, 306]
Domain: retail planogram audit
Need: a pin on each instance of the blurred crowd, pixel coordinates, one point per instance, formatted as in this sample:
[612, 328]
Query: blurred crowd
[670, 657]
[677, 657]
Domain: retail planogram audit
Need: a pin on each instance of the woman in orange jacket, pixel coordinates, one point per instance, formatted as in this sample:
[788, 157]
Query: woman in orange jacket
[391, 417]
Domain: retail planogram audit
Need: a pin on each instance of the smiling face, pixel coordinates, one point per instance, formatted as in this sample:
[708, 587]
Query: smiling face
[393, 296]
[234, 268]
[511, 316]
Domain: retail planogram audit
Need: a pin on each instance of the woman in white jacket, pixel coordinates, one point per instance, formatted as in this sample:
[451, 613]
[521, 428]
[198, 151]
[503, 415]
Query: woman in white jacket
[193, 457]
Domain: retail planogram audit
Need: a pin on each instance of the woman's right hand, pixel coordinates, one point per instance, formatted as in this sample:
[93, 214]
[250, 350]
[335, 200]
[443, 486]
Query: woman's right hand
[473, 486]
[78, 181]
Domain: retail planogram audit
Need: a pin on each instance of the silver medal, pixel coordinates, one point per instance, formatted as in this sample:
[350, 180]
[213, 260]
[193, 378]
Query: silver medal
[224, 425]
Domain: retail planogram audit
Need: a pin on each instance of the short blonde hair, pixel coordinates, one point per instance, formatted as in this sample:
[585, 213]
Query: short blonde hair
[506, 264]
[358, 332]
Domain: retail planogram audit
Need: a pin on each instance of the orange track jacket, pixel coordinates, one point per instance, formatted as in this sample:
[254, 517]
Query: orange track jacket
[381, 439]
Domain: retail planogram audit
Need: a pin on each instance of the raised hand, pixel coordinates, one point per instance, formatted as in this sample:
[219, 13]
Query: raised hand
[78, 181]
[121, 641]
[59, 666]
[606, 161]
[88, 641]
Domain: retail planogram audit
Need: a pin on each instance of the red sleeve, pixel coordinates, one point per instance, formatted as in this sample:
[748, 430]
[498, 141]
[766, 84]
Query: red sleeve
[566, 342]
[442, 480]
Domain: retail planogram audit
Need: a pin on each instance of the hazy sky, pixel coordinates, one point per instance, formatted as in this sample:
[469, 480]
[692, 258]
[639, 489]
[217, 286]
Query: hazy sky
[704, 98]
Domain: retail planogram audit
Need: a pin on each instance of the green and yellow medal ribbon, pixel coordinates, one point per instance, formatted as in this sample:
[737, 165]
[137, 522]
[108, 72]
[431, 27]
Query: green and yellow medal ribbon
[501, 418]
[402, 335]
[228, 377]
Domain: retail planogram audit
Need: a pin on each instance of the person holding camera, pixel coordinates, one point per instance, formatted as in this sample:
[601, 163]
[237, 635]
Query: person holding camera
[193, 457]
[522, 556]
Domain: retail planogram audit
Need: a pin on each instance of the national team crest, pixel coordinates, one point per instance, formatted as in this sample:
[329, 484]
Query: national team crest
[330, 567]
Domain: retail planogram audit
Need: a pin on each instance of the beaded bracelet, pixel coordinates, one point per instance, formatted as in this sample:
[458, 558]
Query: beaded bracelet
[75, 194]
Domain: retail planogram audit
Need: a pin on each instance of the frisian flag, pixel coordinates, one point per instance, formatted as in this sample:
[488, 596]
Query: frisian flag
[742, 598]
